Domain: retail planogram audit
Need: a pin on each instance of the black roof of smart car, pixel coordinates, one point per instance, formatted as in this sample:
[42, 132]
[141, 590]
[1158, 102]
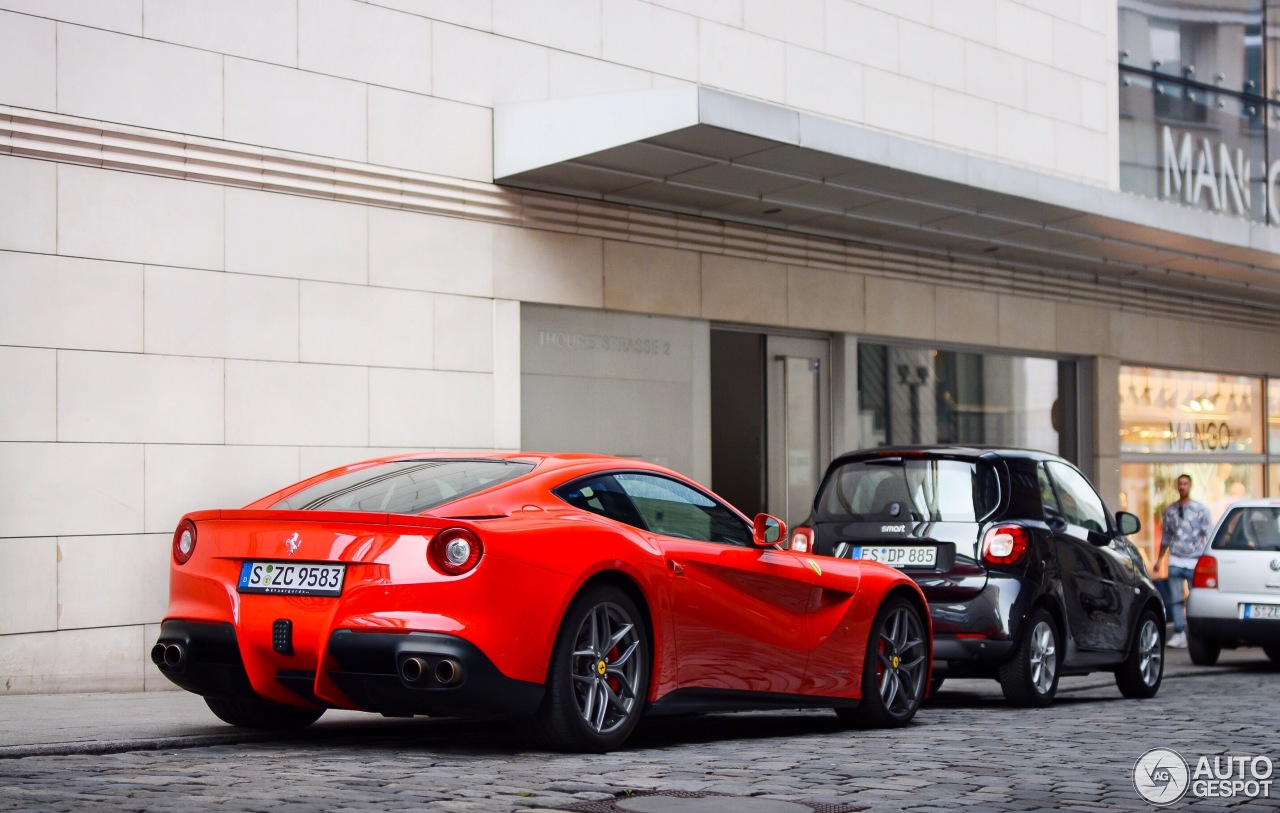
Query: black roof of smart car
[947, 450]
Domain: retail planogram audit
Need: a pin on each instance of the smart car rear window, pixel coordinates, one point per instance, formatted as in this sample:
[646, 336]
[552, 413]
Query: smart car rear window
[1251, 528]
[405, 486]
[918, 489]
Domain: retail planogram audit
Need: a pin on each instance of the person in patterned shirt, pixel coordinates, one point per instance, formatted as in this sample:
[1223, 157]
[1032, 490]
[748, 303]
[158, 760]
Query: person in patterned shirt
[1186, 525]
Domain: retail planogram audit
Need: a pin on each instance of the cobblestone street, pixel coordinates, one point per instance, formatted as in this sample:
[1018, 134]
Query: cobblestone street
[965, 751]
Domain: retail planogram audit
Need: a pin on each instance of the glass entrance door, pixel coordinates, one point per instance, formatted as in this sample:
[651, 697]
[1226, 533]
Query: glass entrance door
[799, 423]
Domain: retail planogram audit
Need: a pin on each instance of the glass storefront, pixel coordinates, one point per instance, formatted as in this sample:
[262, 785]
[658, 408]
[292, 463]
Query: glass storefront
[1206, 425]
[1199, 103]
[924, 395]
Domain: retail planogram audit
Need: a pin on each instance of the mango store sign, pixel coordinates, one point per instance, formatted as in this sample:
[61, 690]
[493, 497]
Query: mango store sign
[1207, 436]
[1194, 171]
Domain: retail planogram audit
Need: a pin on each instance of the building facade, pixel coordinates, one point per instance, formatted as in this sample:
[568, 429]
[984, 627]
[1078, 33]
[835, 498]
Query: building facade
[245, 241]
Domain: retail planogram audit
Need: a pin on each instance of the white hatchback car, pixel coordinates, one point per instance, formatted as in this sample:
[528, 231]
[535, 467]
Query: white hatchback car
[1235, 597]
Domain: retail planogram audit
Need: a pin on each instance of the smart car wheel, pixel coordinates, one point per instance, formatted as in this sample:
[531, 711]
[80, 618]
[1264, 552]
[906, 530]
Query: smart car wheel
[1203, 651]
[262, 714]
[599, 674]
[1143, 670]
[895, 673]
[1030, 677]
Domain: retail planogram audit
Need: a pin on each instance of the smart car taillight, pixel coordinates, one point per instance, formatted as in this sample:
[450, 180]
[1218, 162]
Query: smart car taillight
[1004, 544]
[1206, 574]
[455, 551]
[184, 541]
[802, 539]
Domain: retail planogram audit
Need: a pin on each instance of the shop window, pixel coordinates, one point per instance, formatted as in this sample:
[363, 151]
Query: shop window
[909, 395]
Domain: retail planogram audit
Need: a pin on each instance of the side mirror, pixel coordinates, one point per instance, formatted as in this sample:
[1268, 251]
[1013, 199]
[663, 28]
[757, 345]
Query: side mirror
[767, 531]
[1128, 524]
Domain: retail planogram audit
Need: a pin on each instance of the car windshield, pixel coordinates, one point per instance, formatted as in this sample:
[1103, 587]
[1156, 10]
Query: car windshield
[404, 486]
[909, 488]
[1249, 528]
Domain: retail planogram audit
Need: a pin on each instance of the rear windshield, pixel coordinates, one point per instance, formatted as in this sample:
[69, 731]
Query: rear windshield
[913, 488]
[1255, 528]
[405, 486]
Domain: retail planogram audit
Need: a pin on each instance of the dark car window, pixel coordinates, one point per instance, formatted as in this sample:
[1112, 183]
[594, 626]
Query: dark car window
[1081, 505]
[601, 495]
[405, 486]
[1047, 496]
[672, 508]
[658, 504]
[1254, 528]
[915, 488]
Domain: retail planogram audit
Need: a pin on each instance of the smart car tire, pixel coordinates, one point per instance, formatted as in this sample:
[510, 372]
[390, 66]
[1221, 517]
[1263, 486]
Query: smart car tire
[598, 678]
[1143, 670]
[895, 672]
[1203, 651]
[1030, 677]
[261, 714]
[1273, 652]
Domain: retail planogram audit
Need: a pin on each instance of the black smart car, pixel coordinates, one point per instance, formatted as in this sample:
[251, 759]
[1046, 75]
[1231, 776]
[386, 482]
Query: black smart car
[1028, 576]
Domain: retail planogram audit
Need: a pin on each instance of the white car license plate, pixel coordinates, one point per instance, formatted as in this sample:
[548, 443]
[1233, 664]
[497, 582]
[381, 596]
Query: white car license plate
[1271, 611]
[292, 578]
[898, 555]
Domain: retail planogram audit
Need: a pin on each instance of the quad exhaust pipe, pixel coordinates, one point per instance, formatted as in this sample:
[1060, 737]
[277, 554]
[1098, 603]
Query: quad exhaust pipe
[414, 671]
[169, 656]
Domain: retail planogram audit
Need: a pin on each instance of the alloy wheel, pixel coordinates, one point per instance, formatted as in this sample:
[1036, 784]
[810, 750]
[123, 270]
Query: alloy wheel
[606, 667]
[1150, 653]
[903, 658]
[1044, 657]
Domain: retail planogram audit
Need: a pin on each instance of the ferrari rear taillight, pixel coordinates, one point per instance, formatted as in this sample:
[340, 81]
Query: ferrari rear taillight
[455, 551]
[184, 541]
[802, 539]
[1004, 544]
[1206, 574]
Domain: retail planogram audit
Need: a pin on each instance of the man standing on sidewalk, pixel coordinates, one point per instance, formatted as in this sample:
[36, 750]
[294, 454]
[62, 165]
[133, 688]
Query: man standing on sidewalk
[1185, 534]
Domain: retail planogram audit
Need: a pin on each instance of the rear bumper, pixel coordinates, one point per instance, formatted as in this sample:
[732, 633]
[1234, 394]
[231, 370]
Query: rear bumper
[1236, 631]
[367, 669]
[369, 672]
[972, 636]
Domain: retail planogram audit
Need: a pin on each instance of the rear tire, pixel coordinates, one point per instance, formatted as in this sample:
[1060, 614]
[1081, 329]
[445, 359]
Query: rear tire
[1273, 652]
[598, 678]
[1030, 678]
[895, 670]
[1143, 670]
[1203, 651]
[262, 714]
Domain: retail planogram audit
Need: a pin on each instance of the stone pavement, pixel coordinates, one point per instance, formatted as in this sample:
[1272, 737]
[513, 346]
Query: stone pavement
[967, 750]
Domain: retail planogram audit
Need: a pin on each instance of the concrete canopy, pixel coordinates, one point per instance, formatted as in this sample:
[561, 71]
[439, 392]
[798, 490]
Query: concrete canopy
[713, 154]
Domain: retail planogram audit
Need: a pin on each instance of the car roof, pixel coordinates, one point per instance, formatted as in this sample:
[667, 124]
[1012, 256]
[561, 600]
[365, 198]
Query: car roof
[543, 460]
[949, 450]
[1257, 502]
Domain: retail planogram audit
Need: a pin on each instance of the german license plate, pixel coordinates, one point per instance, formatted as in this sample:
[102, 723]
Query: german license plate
[292, 578]
[898, 555]
[1271, 611]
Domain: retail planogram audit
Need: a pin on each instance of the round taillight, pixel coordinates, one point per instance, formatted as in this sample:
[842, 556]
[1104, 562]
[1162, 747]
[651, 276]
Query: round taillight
[455, 551]
[1004, 544]
[184, 541]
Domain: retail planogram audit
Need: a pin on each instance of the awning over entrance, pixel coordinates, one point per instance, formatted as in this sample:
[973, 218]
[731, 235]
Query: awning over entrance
[705, 152]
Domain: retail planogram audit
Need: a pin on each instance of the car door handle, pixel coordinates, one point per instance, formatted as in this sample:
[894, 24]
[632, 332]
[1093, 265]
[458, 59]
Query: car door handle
[677, 569]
